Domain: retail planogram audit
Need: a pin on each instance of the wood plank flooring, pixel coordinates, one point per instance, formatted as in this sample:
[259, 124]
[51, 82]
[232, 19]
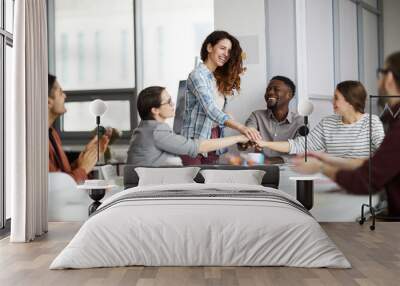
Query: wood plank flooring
[375, 257]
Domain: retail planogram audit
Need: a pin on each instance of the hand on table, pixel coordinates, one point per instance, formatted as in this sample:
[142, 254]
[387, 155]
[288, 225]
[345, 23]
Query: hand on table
[312, 166]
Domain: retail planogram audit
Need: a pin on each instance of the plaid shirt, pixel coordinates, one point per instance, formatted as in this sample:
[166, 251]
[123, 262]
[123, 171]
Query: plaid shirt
[201, 110]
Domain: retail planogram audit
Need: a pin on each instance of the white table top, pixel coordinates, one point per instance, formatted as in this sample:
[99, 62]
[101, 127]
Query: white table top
[91, 187]
[305, 178]
[330, 202]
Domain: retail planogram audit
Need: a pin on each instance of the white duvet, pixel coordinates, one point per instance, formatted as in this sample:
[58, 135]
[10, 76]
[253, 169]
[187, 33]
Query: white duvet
[183, 231]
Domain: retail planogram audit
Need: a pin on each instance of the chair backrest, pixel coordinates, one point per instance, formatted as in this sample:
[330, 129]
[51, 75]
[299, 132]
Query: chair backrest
[180, 107]
[109, 172]
[270, 179]
[66, 202]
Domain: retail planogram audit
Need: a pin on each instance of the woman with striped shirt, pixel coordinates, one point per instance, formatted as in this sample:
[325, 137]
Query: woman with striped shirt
[344, 134]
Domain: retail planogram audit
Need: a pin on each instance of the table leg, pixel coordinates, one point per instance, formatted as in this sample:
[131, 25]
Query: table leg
[96, 195]
[305, 193]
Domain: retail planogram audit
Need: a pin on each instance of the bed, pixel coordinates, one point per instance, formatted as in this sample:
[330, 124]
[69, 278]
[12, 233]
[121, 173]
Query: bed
[198, 224]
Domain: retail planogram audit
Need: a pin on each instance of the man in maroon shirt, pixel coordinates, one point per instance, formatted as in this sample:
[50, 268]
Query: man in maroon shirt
[58, 161]
[352, 175]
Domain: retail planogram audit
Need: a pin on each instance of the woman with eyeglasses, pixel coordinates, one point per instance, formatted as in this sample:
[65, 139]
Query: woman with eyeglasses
[153, 142]
[208, 87]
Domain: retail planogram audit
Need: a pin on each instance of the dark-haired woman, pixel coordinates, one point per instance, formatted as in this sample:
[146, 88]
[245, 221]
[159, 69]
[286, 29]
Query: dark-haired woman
[153, 142]
[344, 134]
[208, 85]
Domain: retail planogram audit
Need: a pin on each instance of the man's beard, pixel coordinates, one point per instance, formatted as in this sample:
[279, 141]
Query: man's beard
[382, 101]
[272, 102]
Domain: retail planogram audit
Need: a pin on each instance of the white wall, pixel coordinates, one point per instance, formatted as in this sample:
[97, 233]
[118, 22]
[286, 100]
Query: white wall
[281, 41]
[246, 21]
[320, 57]
[313, 42]
[391, 24]
[272, 25]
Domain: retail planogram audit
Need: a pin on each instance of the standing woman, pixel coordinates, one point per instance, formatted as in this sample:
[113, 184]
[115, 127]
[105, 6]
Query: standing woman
[208, 85]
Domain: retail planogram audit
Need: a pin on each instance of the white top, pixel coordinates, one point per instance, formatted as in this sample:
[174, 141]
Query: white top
[332, 136]
[219, 100]
[218, 97]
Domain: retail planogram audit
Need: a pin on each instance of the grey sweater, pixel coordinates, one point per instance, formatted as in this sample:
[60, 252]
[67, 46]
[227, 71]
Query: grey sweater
[155, 144]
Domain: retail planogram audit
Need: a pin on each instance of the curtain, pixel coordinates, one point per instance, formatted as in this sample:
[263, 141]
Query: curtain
[27, 123]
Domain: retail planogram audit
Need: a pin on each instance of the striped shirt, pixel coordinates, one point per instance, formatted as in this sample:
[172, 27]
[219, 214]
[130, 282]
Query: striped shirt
[332, 136]
[201, 109]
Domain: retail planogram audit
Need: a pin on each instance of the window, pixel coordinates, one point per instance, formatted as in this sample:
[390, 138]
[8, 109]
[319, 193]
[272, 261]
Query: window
[349, 30]
[358, 51]
[319, 27]
[92, 52]
[93, 57]
[6, 43]
[347, 41]
[171, 34]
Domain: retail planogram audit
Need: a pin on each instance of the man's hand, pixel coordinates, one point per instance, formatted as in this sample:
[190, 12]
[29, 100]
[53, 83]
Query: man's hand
[312, 166]
[242, 146]
[323, 157]
[87, 159]
[104, 140]
[248, 144]
[338, 162]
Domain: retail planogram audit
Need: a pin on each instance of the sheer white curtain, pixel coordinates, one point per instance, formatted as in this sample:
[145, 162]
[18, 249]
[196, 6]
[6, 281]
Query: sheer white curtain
[26, 134]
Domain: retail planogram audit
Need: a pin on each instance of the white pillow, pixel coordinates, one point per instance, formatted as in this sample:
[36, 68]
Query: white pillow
[164, 176]
[248, 177]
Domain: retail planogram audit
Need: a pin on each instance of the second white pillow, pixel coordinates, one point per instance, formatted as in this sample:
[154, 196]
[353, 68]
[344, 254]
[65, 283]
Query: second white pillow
[248, 177]
[163, 176]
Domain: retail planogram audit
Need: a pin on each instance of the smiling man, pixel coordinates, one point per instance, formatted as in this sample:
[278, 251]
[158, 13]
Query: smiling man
[276, 122]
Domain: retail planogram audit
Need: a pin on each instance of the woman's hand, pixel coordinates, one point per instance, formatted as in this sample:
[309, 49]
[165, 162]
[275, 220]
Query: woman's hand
[250, 132]
[243, 139]
[312, 166]
[261, 144]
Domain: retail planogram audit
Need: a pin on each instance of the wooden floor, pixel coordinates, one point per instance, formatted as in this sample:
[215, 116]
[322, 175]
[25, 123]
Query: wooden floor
[375, 257]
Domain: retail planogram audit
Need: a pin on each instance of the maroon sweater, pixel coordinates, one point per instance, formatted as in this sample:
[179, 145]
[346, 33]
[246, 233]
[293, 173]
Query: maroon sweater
[385, 169]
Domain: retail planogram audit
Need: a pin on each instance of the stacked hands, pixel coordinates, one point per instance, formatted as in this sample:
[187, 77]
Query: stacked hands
[257, 145]
[250, 133]
[251, 138]
[88, 157]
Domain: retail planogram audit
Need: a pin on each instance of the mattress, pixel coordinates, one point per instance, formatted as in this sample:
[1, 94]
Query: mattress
[201, 225]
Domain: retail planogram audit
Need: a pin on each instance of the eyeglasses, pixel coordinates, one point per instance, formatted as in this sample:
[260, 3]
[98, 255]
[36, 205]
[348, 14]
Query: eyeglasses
[169, 101]
[381, 71]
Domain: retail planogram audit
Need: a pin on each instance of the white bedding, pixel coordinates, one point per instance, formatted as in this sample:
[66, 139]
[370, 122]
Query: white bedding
[183, 231]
